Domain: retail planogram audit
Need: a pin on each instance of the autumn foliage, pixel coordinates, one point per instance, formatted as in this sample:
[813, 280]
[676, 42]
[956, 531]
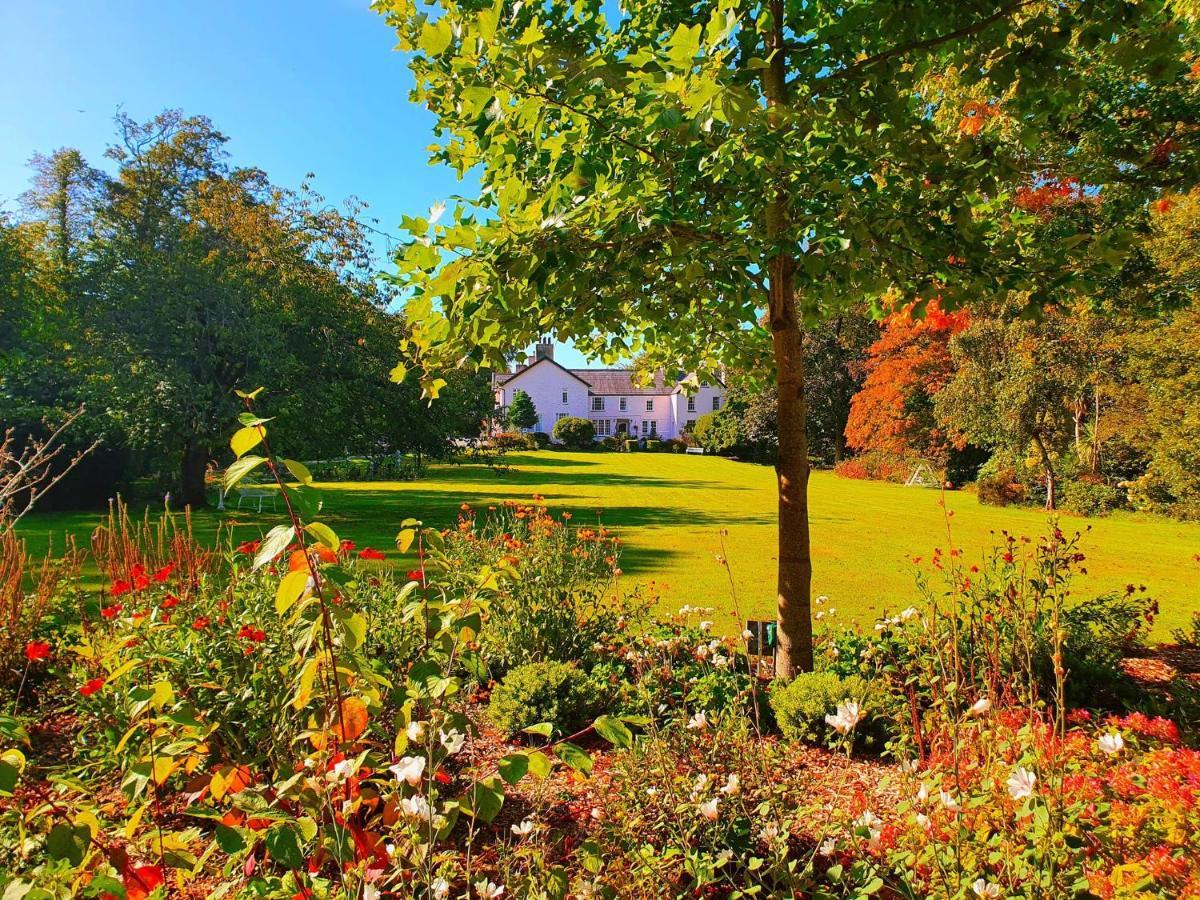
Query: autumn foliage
[905, 368]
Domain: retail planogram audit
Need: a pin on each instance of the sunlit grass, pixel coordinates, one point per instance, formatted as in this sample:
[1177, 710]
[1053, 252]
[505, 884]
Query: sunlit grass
[670, 510]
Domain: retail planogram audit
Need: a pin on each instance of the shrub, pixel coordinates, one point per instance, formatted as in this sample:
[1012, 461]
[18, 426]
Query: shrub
[801, 706]
[877, 466]
[652, 445]
[575, 433]
[630, 445]
[541, 439]
[1001, 488]
[676, 445]
[1088, 498]
[549, 691]
[612, 442]
[514, 440]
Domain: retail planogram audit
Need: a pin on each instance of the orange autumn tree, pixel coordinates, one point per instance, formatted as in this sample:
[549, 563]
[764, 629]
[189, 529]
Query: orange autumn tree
[905, 368]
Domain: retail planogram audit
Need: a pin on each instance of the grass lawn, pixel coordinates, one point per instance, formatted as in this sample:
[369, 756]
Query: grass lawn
[669, 511]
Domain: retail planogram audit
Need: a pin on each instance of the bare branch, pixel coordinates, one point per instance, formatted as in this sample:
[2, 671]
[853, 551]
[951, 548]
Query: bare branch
[29, 472]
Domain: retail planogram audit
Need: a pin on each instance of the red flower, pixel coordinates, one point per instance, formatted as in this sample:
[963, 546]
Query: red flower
[370, 553]
[91, 687]
[248, 548]
[164, 573]
[417, 575]
[170, 602]
[249, 633]
[140, 578]
[36, 650]
[111, 612]
[120, 587]
[201, 623]
[441, 777]
[346, 547]
[140, 882]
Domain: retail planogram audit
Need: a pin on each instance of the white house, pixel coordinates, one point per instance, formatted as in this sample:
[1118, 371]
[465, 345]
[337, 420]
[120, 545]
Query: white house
[608, 397]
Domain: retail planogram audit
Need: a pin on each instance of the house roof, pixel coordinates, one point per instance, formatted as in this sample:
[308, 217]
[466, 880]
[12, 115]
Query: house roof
[602, 382]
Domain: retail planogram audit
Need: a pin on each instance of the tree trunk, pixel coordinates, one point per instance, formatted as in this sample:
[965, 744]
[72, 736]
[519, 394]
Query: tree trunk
[1048, 471]
[794, 650]
[191, 480]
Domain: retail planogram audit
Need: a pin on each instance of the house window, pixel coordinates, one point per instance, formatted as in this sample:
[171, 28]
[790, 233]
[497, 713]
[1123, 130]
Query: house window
[689, 426]
[603, 427]
[649, 406]
[650, 427]
[622, 404]
[716, 403]
[564, 398]
[560, 415]
[598, 404]
[691, 404]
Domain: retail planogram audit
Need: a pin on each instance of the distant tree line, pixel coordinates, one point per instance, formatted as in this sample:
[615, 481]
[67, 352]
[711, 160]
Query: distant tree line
[149, 293]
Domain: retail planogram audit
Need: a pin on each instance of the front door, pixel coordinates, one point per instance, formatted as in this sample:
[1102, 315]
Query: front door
[622, 426]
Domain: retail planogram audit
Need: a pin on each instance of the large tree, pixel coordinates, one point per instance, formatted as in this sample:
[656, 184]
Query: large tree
[698, 181]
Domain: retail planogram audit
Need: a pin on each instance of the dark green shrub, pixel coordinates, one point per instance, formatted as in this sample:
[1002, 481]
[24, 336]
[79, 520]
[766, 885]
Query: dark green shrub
[630, 445]
[653, 446]
[612, 442]
[514, 440]
[1000, 488]
[543, 692]
[800, 708]
[541, 439]
[575, 433]
[1088, 498]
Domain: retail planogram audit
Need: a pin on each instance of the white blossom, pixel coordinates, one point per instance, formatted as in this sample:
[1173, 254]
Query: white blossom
[415, 731]
[409, 769]
[980, 706]
[847, 717]
[523, 829]
[1111, 743]
[982, 888]
[732, 785]
[370, 892]
[1020, 783]
[948, 801]
[452, 740]
[415, 807]
[440, 888]
[908, 613]
[924, 821]
[708, 809]
[489, 890]
[828, 846]
[698, 722]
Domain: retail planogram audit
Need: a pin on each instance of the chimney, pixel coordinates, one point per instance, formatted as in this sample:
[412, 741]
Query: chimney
[544, 350]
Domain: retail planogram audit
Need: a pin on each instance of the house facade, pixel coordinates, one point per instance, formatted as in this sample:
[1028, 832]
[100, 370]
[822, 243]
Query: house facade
[607, 397]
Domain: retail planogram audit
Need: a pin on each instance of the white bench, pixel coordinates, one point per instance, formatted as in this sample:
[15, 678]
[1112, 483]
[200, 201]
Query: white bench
[253, 493]
[698, 451]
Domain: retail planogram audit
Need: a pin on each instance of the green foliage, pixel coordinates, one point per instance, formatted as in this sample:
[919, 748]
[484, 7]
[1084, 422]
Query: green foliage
[522, 414]
[1091, 498]
[550, 691]
[801, 707]
[575, 433]
[514, 440]
[1000, 488]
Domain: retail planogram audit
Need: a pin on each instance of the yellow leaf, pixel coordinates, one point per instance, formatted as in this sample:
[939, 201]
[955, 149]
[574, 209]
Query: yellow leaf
[163, 767]
[291, 589]
[304, 691]
[246, 439]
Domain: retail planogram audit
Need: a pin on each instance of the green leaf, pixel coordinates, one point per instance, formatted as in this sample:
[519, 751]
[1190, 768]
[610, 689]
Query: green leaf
[299, 471]
[542, 729]
[513, 767]
[575, 757]
[276, 541]
[405, 539]
[241, 469]
[68, 842]
[291, 589]
[246, 439]
[323, 533]
[230, 839]
[614, 731]
[8, 778]
[484, 799]
[398, 373]
[539, 764]
[435, 37]
[251, 394]
[283, 843]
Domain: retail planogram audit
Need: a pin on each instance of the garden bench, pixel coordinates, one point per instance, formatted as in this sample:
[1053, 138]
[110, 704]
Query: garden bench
[699, 451]
[254, 493]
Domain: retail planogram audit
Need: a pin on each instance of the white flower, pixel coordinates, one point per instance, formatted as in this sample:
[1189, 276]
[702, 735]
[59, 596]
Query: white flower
[597, 814]
[370, 892]
[708, 809]
[415, 807]
[720, 660]
[822, 599]
[819, 616]
[452, 740]
[732, 785]
[409, 769]
[724, 856]
[698, 722]
[983, 888]
[523, 829]
[980, 706]
[440, 888]
[924, 821]
[651, 792]
[415, 731]
[769, 832]
[699, 787]
[948, 801]
[1020, 783]
[871, 822]
[705, 626]
[1111, 743]
[848, 716]
[747, 634]
[340, 772]
[828, 846]
[906, 614]
[489, 890]
[435, 211]
[587, 890]
[922, 793]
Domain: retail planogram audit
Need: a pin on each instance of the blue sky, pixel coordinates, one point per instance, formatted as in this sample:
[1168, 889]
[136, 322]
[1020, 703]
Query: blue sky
[297, 86]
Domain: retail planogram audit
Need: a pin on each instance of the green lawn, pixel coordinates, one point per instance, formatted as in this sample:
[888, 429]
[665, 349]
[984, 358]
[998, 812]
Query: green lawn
[669, 511]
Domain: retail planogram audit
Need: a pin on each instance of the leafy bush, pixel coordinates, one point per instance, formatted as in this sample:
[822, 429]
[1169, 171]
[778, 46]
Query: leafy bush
[676, 444]
[1089, 498]
[575, 433]
[1001, 488]
[630, 445]
[514, 440]
[389, 467]
[801, 707]
[652, 445]
[877, 466]
[549, 691]
[541, 439]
